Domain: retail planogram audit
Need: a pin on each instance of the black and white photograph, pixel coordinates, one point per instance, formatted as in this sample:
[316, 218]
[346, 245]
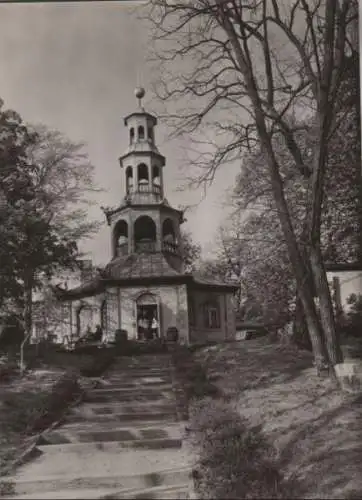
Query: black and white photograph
[180, 249]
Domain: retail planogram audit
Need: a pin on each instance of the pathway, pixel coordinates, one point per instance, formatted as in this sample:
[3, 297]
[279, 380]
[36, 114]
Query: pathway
[124, 441]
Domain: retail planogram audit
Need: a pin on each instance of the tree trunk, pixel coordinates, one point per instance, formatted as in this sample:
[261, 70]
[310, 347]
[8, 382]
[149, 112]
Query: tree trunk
[300, 329]
[333, 347]
[301, 269]
[28, 305]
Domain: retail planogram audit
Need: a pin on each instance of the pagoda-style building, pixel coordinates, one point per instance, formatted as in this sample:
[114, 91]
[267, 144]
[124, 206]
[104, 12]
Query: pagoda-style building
[144, 289]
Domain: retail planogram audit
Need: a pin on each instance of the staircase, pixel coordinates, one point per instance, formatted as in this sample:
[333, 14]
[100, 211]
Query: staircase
[124, 441]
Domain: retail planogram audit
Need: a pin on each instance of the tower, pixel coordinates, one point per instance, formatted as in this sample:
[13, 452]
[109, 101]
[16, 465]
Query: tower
[144, 224]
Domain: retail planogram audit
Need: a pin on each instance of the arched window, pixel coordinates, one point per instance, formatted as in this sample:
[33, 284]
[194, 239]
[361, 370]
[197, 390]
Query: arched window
[141, 132]
[145, 234]
[168, 233]
[129, 179]
[150, 134]
[84, 319]
[156, 180]
[131, 135]
[120, 235]
[211, 314]
[142, 177]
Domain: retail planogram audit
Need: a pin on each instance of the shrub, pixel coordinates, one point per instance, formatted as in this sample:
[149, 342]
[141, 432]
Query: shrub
[235, 461]
[8, 370]
[27, 412]
[98, 363]
[64, 392]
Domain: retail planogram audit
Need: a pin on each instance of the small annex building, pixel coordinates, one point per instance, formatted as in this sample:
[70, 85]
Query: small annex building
[144, 289]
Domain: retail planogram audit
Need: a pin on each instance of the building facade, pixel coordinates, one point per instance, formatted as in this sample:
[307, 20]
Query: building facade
[144, 290]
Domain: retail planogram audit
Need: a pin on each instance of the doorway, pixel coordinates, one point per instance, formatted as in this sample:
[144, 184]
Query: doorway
[148, 323]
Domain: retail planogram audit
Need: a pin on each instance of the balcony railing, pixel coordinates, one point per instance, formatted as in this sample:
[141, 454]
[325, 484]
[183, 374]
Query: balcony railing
[145, 246]
[144, 189]
[122, 249]
[170, 247]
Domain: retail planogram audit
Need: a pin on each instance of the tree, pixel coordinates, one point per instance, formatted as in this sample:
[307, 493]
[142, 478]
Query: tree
[258, 59]
[45, 226]
[191, 252]
[15, 190]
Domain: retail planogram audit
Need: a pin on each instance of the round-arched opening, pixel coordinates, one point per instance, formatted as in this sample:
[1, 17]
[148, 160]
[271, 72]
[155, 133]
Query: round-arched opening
[148, 325]
[129, 179]
[156, 178]
[120, 236]
[84, 320]
[131, 135]
[169, 240]
[143, 178]
[141, 132]
[145, 234]
[150, 134]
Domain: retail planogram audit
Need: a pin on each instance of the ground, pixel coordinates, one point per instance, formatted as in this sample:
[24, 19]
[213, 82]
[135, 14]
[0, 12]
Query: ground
[124, 440]
[316, 428]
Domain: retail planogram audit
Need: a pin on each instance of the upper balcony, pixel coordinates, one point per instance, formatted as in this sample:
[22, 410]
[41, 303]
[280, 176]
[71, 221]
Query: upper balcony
[144, 193]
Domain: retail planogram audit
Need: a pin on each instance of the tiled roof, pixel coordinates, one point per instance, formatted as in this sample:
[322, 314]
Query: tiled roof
[140, 265]
[199, 280]
[90, 287]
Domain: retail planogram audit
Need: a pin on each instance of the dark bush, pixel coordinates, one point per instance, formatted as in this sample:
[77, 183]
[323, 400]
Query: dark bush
[28, 412]
[8, 370]
[98, 363]
[64, 392]
[235, 460]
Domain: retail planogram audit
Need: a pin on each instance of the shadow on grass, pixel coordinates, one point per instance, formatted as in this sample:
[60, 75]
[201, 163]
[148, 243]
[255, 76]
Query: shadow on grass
[235, 459]
[263, 360]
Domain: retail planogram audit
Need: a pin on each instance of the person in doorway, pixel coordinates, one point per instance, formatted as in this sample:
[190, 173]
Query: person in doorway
[98, 334]
[142, 327]
[154, 327]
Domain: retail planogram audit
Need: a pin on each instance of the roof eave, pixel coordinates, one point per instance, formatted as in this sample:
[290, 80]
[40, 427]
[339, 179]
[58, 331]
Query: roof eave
[143, 153]
[141, 113]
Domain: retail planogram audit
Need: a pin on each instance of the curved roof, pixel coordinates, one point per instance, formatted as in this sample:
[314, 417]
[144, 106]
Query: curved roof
[140, 265]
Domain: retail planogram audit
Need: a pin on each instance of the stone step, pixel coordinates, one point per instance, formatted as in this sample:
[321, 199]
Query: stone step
[112, 424]
[118, 483]
[134, 383]
[134, 389]
[91, 397]
[85, 447]
[120, 407]
[137, 373]
[70, 465]
[55, 441]
[124, 418]
[175, 492]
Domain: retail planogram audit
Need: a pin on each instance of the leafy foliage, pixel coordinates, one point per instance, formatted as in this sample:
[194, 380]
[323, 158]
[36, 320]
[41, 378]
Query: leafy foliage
[43, 181]
[191, 252]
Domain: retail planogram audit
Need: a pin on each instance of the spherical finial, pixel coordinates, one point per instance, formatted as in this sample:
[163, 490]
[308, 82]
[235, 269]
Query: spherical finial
[139, 92]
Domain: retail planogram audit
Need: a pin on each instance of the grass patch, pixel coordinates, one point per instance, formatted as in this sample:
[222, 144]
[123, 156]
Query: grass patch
[314, 427]
[234, 458]
[27, 408]
[26, 412]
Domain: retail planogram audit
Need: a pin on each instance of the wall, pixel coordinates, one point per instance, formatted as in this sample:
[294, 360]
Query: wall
[349, 282]
[173, 308]
[198, 332]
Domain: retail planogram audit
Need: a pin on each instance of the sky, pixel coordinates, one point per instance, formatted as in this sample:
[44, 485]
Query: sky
[73, 67]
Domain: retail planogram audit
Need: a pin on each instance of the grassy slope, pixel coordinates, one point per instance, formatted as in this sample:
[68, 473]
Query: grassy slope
[316, 429]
